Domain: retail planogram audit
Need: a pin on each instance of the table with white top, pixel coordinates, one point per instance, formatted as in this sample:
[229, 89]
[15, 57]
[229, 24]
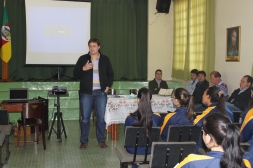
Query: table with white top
[118, 108]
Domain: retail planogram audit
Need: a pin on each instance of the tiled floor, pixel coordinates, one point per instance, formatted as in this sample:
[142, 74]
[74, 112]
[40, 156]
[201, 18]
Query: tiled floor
[67, 153]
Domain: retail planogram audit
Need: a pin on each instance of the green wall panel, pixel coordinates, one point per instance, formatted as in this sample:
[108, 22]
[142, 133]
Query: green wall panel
[69, 105]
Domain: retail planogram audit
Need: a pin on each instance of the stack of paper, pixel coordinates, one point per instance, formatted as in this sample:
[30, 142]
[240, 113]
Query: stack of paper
[165, 92]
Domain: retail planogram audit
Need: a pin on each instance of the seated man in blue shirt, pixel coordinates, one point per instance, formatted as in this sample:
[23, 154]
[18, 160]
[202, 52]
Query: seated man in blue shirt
[194, 80]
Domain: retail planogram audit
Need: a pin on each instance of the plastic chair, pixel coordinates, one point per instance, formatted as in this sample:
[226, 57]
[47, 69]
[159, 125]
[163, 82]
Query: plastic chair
[183, 133]
[136, 137]
[168, 154]
[32, 115]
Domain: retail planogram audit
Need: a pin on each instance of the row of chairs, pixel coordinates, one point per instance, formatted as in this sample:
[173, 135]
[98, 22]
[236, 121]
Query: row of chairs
[181, 141]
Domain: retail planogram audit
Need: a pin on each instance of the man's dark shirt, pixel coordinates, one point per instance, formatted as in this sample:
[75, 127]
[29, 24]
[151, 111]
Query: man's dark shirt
[242, 100]
[153, 86]
[199, 91]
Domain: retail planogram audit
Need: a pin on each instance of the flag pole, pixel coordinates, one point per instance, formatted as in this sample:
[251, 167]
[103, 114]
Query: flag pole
[5, 68]
[5, 77]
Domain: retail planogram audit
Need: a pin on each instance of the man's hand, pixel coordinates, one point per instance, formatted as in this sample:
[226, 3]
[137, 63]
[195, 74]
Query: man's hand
[106, 89]
[87, 66]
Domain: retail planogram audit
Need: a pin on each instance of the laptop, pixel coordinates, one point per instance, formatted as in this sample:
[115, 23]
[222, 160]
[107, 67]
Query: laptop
[18, 95]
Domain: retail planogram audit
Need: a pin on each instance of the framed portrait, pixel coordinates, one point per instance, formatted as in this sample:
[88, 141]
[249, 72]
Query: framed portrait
[233, 43]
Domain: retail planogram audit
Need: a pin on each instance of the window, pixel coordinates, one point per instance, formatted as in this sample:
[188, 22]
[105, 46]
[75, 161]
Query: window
[189, 37]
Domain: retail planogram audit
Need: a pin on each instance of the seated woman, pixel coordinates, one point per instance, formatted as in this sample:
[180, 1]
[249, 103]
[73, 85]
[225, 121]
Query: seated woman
[247, 124]
[183, 115]
[223, 140]
[143, 117]
[213, 97]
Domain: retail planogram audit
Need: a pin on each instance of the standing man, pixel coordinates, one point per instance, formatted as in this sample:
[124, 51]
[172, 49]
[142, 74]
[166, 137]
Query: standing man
[96, 76]
[156, 84]
[194, 80]
[215, 80]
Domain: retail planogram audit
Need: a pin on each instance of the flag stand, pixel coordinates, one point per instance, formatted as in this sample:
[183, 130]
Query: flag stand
[5, 73]
[5, 68]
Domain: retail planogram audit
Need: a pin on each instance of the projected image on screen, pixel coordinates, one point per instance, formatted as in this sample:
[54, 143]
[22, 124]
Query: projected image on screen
[57, 34]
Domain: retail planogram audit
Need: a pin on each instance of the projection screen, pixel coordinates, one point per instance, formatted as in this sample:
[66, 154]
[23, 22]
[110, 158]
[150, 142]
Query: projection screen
[57, 32]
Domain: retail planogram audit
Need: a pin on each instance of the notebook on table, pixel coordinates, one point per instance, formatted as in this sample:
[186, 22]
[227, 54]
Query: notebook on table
[18, 95]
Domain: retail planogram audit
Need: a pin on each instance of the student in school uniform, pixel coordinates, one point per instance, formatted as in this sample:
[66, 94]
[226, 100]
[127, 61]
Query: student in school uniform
[222, 138]
[247, 124]
[183, 114]
[143, 117]
[213, 98]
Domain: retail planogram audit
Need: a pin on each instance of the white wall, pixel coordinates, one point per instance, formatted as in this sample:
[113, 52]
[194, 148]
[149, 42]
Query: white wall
[160, 41]
[230, 13]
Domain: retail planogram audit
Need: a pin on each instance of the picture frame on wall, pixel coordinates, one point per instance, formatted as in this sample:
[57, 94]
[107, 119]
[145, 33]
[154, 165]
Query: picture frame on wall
[233, 43]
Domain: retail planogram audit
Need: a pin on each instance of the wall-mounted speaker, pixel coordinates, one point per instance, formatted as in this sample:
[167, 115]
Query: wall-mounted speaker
[163, 6]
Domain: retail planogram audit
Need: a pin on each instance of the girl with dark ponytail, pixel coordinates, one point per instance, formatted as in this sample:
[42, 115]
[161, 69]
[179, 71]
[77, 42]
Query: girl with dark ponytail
[213, 98]
[143, 117]
[223, 140]
[247, 124]
[183, 114]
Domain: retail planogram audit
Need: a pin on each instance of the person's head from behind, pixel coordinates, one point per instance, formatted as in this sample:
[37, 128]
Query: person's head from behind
[215, 77]
[182, 98]
[144, 111]
[246, 81]
[194, 74]
[220, 135]
[213, 95]
[158, 74]
[94, 46]
[144, 96]
[201, 76]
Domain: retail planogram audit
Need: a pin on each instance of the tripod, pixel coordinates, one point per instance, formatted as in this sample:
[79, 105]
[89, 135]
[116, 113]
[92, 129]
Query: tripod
[60, 123]
[59, 75]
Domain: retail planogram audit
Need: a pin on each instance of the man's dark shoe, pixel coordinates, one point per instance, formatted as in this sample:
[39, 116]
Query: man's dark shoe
[102, 144]
[83, 146]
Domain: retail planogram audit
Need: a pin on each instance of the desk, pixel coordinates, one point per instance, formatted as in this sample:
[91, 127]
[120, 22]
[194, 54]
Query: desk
[117, 109]
[12, 107]
[17, 107]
